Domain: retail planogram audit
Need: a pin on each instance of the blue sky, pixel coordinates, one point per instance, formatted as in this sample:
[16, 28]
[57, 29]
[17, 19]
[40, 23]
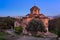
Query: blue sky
[22, 7]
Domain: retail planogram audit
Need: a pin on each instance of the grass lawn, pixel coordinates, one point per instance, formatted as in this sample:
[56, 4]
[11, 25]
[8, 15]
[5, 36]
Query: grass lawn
[3, 36]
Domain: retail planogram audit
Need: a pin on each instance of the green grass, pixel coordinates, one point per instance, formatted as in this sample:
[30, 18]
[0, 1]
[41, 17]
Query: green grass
[3, 35]
[3, 39]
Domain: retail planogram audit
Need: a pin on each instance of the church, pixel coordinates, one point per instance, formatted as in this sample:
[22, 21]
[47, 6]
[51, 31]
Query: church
[34, 14]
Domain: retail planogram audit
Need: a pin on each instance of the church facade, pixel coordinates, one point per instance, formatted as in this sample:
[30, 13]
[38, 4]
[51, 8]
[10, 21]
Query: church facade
[34, 14]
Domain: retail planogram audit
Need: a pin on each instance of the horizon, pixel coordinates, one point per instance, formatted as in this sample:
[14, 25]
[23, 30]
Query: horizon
[22, 7]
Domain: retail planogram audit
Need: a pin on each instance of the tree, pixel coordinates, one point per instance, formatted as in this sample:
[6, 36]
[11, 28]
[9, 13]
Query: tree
[54, 25]
[35, 25]
[6, 22]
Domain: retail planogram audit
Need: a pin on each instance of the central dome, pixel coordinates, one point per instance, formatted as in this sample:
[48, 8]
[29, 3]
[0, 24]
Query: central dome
[34, 10]
[34, 7]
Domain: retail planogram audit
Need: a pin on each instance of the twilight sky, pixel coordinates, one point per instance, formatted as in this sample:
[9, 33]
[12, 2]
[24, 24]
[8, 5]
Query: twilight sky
[22, 7]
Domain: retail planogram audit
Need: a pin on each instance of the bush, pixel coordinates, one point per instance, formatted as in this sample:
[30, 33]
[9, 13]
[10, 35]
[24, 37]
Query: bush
[35, 25]
[18, 30]
[57, 32]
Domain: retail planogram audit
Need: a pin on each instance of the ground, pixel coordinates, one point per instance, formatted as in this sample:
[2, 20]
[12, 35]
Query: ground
[13, 36]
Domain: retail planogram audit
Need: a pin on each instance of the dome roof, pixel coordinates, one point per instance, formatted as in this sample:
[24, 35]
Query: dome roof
[34, 7]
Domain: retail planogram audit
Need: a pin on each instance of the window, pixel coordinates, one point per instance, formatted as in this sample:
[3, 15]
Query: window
[46, 23]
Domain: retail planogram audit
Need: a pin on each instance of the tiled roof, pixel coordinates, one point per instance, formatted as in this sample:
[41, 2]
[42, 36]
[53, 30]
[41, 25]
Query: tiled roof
[35, 15]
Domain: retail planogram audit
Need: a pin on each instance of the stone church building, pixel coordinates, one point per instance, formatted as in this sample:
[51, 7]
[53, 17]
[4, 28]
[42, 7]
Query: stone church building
[34, 14]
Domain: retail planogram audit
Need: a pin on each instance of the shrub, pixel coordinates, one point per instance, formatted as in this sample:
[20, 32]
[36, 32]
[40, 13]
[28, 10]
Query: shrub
[35, 25]
[18, 30]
